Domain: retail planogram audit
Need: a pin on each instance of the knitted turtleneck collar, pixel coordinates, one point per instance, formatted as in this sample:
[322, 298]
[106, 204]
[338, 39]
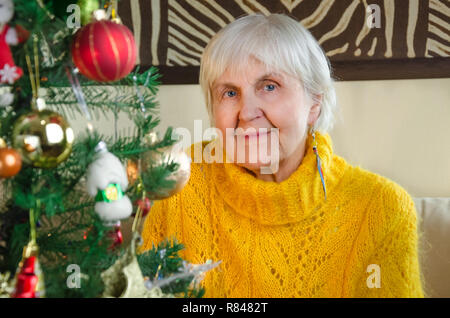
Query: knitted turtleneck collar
[289, 201]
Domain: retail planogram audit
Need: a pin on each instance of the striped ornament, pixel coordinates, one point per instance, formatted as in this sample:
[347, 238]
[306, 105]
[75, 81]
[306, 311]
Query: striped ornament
[104, 51]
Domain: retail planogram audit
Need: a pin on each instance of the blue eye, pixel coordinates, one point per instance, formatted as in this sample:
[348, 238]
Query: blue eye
[270, 87]
[230, 93]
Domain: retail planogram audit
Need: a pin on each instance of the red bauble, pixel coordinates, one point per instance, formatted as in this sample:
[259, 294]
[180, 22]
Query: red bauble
[27, 280]
[104, 51]
[116, 236]
[145, 205]
[10, 162]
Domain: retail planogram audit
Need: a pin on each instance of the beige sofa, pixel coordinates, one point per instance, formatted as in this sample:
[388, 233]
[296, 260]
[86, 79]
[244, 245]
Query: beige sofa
[434, 244]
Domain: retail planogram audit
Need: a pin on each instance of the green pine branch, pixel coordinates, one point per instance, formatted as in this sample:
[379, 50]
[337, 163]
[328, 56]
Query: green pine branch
[69, 231]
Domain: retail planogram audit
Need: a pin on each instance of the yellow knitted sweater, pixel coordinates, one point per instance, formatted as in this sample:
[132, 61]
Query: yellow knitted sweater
[283, 239]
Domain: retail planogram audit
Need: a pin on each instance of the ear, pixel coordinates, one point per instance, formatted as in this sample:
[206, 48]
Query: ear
[316, 107]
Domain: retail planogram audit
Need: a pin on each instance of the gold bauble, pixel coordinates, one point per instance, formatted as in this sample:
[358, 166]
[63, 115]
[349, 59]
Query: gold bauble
[164, 156]
[43, 138]
[151, 138]
[2, 143]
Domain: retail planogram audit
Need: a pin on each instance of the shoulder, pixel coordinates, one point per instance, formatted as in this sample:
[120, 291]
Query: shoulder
[389, 203]
[385, 190]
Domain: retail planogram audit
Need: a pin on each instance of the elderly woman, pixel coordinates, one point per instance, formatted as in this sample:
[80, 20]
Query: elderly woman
[314, 226]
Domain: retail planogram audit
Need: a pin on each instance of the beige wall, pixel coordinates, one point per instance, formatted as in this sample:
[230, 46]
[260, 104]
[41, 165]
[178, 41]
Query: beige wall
[399, 129]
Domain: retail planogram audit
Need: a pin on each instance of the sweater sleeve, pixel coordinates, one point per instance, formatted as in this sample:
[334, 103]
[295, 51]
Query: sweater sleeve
[392, 270]
[163, 222]
[164, 219]
[155, 225]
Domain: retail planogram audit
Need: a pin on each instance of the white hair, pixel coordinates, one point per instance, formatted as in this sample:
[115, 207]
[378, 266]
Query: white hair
[279, 42]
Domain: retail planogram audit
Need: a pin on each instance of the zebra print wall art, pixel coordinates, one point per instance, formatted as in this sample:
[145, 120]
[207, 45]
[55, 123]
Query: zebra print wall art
[364, 39]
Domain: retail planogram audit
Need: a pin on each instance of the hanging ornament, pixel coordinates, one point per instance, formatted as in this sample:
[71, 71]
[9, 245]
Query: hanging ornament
[10, 162]
[104, 51]
[151, 138]
[106, 181]
[6, 97]
[29, 279]
[144, 204]
[43, 138]
[124, 278]
[187, 271]
[87, 7]
[132, 171]
[9, 72]
[2, 143]
[116, 236]
[164, 156]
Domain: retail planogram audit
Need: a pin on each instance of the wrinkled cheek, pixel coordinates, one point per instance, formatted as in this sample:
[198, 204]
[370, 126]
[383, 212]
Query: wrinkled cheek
[229, 146]
[269, 148]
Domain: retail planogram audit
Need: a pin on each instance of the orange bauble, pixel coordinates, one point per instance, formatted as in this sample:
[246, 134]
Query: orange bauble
[10, 162]
[104, 51]
[132, 171]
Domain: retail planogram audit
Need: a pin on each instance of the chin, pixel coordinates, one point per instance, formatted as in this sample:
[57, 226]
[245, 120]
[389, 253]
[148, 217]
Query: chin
[257, 164]
[252, 166]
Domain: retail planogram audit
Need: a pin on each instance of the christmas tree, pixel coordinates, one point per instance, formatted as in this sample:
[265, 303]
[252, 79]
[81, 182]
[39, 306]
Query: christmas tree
[63, 196]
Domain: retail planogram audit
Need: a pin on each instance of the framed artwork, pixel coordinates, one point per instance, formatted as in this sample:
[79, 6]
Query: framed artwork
[364, 39]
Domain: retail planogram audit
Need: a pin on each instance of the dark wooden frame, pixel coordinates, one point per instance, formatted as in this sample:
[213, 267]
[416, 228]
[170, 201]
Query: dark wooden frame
[342, 70]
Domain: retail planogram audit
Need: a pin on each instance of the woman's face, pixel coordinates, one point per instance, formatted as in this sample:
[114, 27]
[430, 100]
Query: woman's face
[257, 98]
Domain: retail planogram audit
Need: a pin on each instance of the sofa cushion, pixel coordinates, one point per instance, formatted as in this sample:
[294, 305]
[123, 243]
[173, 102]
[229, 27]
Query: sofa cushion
[434, 244]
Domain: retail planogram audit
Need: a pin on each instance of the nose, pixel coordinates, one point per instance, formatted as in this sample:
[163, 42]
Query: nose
[250, 107]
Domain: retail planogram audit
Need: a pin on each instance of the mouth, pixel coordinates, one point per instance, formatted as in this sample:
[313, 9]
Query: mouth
[253, 135]
[256, 135]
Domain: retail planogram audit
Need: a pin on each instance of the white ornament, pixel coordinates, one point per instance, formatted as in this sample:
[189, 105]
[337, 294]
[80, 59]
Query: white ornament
[197, 271]
[105, 170]
[6, 99]
[8, 74]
